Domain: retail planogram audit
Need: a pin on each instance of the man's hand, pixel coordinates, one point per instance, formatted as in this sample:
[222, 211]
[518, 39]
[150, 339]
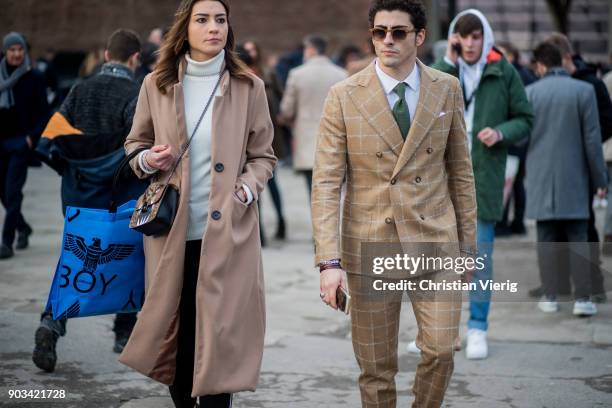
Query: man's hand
[451, 53]
[489, 136]
[160, 157]
[467, 275]
[29, 142]
[331, 279]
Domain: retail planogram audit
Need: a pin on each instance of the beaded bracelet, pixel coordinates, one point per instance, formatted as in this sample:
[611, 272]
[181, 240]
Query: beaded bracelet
[144, 166]
[331, 264]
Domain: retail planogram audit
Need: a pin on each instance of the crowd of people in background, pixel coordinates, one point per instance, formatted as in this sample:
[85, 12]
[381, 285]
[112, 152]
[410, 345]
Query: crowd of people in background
[552, 117]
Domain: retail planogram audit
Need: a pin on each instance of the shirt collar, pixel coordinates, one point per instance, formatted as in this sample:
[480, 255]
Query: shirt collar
[388, 83]
[116, 70]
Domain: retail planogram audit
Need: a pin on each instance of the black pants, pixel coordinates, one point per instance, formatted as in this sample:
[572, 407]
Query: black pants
[550, 249]
[180, 390]
[308, 176]
[597, 279]
[276, 196]
[13, 172]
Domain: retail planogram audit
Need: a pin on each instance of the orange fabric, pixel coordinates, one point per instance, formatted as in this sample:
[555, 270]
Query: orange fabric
[59, 126]
[493, 56]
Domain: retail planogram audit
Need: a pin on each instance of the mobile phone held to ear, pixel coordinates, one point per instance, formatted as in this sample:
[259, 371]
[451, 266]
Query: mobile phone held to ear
[457, 48]
[343, 300]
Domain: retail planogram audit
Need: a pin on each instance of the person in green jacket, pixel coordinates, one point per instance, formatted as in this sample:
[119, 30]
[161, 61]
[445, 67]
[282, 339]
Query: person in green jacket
[497, 115]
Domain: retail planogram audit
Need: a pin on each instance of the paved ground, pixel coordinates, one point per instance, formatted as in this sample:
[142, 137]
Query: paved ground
[536, 360]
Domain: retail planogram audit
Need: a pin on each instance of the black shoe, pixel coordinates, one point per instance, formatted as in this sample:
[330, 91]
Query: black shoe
[182, 398]
[518, 228]
[536, 293]
[120, 342]
[599, 298]
[44, 355]
[215, 401]
[23, 238]
[6, 252]
[502, 230]
[281, 232]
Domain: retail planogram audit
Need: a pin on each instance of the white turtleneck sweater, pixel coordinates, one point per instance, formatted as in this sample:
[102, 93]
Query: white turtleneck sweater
[198, 83]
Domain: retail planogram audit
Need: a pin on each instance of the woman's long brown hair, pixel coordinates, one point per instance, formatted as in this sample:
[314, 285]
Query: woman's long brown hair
[176, 45]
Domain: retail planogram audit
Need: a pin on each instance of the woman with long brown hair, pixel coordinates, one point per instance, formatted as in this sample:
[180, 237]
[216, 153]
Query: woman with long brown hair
[201, 328]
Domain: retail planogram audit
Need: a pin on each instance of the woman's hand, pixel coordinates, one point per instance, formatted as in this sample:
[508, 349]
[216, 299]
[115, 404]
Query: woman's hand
[242, 195]
[160, 157]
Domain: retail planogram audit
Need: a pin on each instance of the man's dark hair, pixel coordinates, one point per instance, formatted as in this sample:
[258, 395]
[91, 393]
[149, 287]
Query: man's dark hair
[562, 42]
[414, 8]
[548, 54]
[467, 24]
[317, 42]
[510, 49]
[122, 44]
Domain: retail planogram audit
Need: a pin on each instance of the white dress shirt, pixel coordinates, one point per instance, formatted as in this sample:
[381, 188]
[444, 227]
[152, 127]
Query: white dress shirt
[412, 90]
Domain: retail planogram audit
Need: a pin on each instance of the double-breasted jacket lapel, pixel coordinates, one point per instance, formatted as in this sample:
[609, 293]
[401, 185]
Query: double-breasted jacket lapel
[370, 100]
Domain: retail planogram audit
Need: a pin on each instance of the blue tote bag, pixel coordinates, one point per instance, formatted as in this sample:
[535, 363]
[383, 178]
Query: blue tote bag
[101, 265]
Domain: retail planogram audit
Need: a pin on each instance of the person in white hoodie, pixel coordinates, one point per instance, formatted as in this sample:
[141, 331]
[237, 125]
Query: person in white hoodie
[497, 115]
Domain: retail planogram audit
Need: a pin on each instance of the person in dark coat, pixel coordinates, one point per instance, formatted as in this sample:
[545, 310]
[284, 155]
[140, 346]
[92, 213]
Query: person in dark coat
[23, 114]
[564, 164]
[578, 69]
[148, 60]
[83, 142]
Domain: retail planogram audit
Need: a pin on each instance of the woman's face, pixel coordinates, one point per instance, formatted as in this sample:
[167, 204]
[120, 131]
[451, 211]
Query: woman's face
[207, 30]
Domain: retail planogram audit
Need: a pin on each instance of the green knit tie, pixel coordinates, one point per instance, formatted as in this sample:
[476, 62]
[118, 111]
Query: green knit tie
[400, 110]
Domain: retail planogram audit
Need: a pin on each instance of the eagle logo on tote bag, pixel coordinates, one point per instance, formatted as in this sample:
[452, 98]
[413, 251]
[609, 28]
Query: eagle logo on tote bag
[93, 255]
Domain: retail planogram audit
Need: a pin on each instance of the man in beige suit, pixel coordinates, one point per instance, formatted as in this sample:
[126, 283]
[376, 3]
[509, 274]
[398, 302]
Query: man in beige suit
[302, 104]
[396, 132]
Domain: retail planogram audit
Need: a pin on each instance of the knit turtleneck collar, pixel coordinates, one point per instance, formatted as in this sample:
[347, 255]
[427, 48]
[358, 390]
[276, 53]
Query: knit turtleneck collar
[205, 68]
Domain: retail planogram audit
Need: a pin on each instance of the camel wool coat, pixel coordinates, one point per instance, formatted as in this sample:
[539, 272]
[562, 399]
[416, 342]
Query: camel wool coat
[230, 309]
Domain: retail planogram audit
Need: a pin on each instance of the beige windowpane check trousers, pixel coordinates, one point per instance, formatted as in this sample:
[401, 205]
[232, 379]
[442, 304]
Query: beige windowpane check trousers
[375, 325]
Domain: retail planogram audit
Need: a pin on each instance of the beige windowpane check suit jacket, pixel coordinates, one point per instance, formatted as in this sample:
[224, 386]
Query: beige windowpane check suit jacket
[420, 190]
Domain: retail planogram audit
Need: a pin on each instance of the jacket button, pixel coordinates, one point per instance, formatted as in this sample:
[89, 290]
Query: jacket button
[379, 154]
[388, 220]
[429, 150]
[422, 217]
[219, 167]
[216, 215]
[393, 181]
[418, 179]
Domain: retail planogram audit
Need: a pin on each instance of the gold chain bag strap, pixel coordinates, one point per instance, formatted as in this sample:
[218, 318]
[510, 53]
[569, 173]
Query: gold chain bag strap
[157, 206]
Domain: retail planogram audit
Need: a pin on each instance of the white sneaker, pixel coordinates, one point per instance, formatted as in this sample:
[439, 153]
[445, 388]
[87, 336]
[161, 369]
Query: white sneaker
[548, 306]
[477, 348]
[412, 348]
[584, 308]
